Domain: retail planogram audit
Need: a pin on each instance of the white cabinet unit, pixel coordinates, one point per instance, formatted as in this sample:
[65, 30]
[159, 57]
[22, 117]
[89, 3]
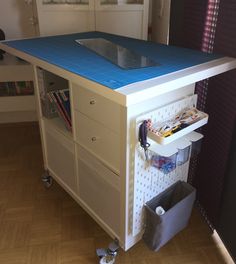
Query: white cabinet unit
[126, 17]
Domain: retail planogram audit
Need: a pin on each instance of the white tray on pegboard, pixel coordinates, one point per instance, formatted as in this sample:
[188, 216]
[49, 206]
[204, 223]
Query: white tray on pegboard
[181, 133]
[168, 112]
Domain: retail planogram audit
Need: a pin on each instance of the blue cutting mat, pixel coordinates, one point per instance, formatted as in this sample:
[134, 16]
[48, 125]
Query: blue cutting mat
[64, 52]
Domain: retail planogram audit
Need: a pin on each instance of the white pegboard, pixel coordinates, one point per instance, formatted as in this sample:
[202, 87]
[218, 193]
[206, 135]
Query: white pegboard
[149, 181]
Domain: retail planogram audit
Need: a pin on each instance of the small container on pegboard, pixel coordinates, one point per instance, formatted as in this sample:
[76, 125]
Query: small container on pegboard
[196, 141]
[183, 155]
[196, 147]
[162, 163]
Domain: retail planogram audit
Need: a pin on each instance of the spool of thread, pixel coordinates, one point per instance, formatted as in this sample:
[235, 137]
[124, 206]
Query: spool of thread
[159, 210]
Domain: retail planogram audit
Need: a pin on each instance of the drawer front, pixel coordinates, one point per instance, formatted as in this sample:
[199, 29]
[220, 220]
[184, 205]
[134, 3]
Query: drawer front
[97, 107]
[61, 157]
[99, 188]
[102, 142]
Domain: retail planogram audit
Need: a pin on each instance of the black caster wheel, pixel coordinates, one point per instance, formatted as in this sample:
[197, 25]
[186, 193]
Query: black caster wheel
[47, 180]
[108, 255]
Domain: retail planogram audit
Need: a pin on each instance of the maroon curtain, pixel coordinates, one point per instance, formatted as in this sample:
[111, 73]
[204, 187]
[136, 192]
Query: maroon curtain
[221, 107]
[194, 22]
[207, 30]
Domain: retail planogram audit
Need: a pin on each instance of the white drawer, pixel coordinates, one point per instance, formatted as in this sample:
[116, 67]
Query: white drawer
[97, 107]
[102, 142]
[61, 157]
[99, 188]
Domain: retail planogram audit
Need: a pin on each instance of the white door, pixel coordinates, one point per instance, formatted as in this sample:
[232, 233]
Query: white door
[17, 18]
[161, 21]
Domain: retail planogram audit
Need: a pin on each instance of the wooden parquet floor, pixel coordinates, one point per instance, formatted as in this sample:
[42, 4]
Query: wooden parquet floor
[39, 226]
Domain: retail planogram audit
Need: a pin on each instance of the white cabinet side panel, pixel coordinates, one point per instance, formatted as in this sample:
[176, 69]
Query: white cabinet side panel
[132, 113]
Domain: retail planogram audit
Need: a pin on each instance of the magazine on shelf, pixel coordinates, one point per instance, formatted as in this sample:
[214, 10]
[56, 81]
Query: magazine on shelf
[62, 105]
[24, 88]
[65, 96]
[55, 99]
[16, 88]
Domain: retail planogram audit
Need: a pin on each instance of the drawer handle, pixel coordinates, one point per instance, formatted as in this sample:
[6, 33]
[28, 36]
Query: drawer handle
[92, 102]
[94, 139]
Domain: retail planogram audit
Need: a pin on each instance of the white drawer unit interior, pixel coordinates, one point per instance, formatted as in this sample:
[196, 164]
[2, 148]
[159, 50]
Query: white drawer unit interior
[99, 189]
[60, 157]
[100, 141]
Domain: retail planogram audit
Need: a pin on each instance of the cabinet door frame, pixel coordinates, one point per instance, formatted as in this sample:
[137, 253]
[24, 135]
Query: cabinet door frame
[125, 10]
[73, 12]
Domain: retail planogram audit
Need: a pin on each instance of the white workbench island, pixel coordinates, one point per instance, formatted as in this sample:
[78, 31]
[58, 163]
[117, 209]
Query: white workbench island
[100, 163]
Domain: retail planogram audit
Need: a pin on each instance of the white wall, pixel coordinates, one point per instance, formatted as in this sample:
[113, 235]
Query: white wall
[15, 19]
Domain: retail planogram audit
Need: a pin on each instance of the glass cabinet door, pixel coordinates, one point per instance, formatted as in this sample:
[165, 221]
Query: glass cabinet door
[118, 2]
[123, 17]
[57, 17]
[74, 2]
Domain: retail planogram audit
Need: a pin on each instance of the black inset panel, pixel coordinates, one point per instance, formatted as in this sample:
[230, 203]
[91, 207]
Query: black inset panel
[227, 226]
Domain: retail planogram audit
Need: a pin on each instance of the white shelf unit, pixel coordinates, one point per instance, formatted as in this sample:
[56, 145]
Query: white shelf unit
[16, 108]
[127, 18]
[85, 162]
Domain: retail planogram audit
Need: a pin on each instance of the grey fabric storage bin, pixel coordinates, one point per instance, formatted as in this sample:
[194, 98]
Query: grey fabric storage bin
[177, 200]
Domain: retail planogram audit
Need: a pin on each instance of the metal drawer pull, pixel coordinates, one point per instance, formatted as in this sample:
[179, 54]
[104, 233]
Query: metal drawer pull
[94, 139]
[92, 102]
